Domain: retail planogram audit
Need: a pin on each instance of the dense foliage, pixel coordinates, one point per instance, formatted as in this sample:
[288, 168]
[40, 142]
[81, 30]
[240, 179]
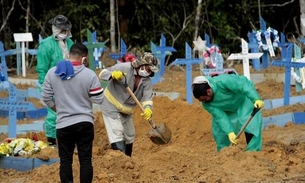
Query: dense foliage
[140, 21]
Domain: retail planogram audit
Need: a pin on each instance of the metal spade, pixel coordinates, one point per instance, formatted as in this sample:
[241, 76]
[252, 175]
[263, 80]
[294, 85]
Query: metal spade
[159, 134]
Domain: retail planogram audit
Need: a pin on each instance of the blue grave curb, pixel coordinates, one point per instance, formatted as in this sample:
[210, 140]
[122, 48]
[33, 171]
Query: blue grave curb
[279, 102]
[282, 119]
[24, 164]
[37, 126]
[32, 114]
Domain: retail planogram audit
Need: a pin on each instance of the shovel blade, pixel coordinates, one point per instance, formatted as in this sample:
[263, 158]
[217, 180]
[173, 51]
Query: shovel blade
[160, 135]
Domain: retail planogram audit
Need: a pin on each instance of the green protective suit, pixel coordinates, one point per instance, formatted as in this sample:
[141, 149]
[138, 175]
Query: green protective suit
[49, 53]
[233, 102]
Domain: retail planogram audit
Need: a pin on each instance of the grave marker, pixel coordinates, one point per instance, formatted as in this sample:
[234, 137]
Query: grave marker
[161, 52]
[264, 36]
[218, 68]
[188, 61]
[23, 37]
[97, 53]
[91, 46]
[253, 45]
[4, 84]
[207, 40]
[286, 62]
[298, 74]
[245, 56]
[13, 105]
[283, 45]
[15, 102]
[123, 51]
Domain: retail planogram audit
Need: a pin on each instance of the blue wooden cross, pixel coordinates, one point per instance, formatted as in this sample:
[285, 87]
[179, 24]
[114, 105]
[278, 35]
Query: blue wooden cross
[13, 105]
[17, 51]
[253, 45]
[253, 40]
[91, 45]
[16, 100]
[4, 84]
[283, 45]
[97, 53]
[188, 61]
[286, 62]
[207, 40]
[161, 52]
[123, 51]
[265, 57]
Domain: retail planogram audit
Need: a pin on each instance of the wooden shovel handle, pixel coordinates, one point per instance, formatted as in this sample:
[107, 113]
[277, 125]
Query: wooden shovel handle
[255, 110]
[153, 125]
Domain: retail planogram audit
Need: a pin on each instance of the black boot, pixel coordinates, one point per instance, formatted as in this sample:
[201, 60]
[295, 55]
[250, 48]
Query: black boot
[129, 149]
[51, 141]
[249, 137]
[119, 146]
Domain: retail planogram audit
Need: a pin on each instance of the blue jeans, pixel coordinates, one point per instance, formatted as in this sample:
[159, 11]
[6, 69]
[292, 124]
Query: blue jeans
[81, 135]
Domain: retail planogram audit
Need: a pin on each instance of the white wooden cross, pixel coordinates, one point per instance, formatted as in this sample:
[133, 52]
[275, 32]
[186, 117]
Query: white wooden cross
[245, 56]
[23, 37]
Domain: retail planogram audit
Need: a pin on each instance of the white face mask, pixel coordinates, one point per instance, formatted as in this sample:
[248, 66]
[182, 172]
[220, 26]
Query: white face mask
[62, 36]
[142, 72]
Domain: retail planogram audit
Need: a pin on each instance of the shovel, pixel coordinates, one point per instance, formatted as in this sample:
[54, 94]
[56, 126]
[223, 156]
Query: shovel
[159, 134]
[255, 110]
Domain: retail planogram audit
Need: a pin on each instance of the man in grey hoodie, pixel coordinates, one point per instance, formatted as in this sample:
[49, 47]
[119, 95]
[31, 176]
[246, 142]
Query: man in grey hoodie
[69, 89]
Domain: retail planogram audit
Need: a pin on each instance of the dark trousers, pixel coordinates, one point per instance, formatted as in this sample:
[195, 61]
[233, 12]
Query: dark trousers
[249, 137]
[81, 135]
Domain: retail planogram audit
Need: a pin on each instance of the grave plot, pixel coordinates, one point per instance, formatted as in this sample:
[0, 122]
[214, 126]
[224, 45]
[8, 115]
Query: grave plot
[282, 148]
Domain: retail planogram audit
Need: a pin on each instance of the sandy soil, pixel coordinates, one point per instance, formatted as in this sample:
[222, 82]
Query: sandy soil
[191, 156]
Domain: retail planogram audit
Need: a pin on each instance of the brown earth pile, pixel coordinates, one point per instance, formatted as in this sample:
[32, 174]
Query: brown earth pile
[191, 155]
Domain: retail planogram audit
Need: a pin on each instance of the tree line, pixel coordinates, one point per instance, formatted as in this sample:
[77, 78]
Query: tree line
[139, 22]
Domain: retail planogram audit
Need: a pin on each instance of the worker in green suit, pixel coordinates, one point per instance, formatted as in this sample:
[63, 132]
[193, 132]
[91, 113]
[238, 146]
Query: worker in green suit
[51, 50]
[230, 99]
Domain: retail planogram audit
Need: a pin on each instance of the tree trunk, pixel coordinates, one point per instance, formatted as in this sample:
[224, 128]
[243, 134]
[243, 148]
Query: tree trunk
[302, 17]
[112, 26]
[197, 19]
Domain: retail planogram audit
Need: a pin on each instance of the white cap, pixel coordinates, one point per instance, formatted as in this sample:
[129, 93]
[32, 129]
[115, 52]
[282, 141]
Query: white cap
[200, 80]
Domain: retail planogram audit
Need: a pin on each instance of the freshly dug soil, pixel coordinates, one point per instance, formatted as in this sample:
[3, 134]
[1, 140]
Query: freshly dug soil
[191, 156]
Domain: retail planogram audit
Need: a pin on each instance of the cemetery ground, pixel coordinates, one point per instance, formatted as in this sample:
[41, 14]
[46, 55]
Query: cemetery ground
[191, 156]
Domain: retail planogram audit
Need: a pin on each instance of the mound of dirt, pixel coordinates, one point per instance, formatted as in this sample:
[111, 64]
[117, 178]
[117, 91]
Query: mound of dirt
[191, 156]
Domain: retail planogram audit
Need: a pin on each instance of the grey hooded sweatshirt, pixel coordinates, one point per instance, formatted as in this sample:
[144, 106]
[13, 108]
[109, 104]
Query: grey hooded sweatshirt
[73, 97]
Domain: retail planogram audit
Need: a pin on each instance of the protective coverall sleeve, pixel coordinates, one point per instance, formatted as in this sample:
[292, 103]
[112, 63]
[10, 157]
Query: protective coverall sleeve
[105, 74]
[43, 61]
[221, 119]
[147, 99]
